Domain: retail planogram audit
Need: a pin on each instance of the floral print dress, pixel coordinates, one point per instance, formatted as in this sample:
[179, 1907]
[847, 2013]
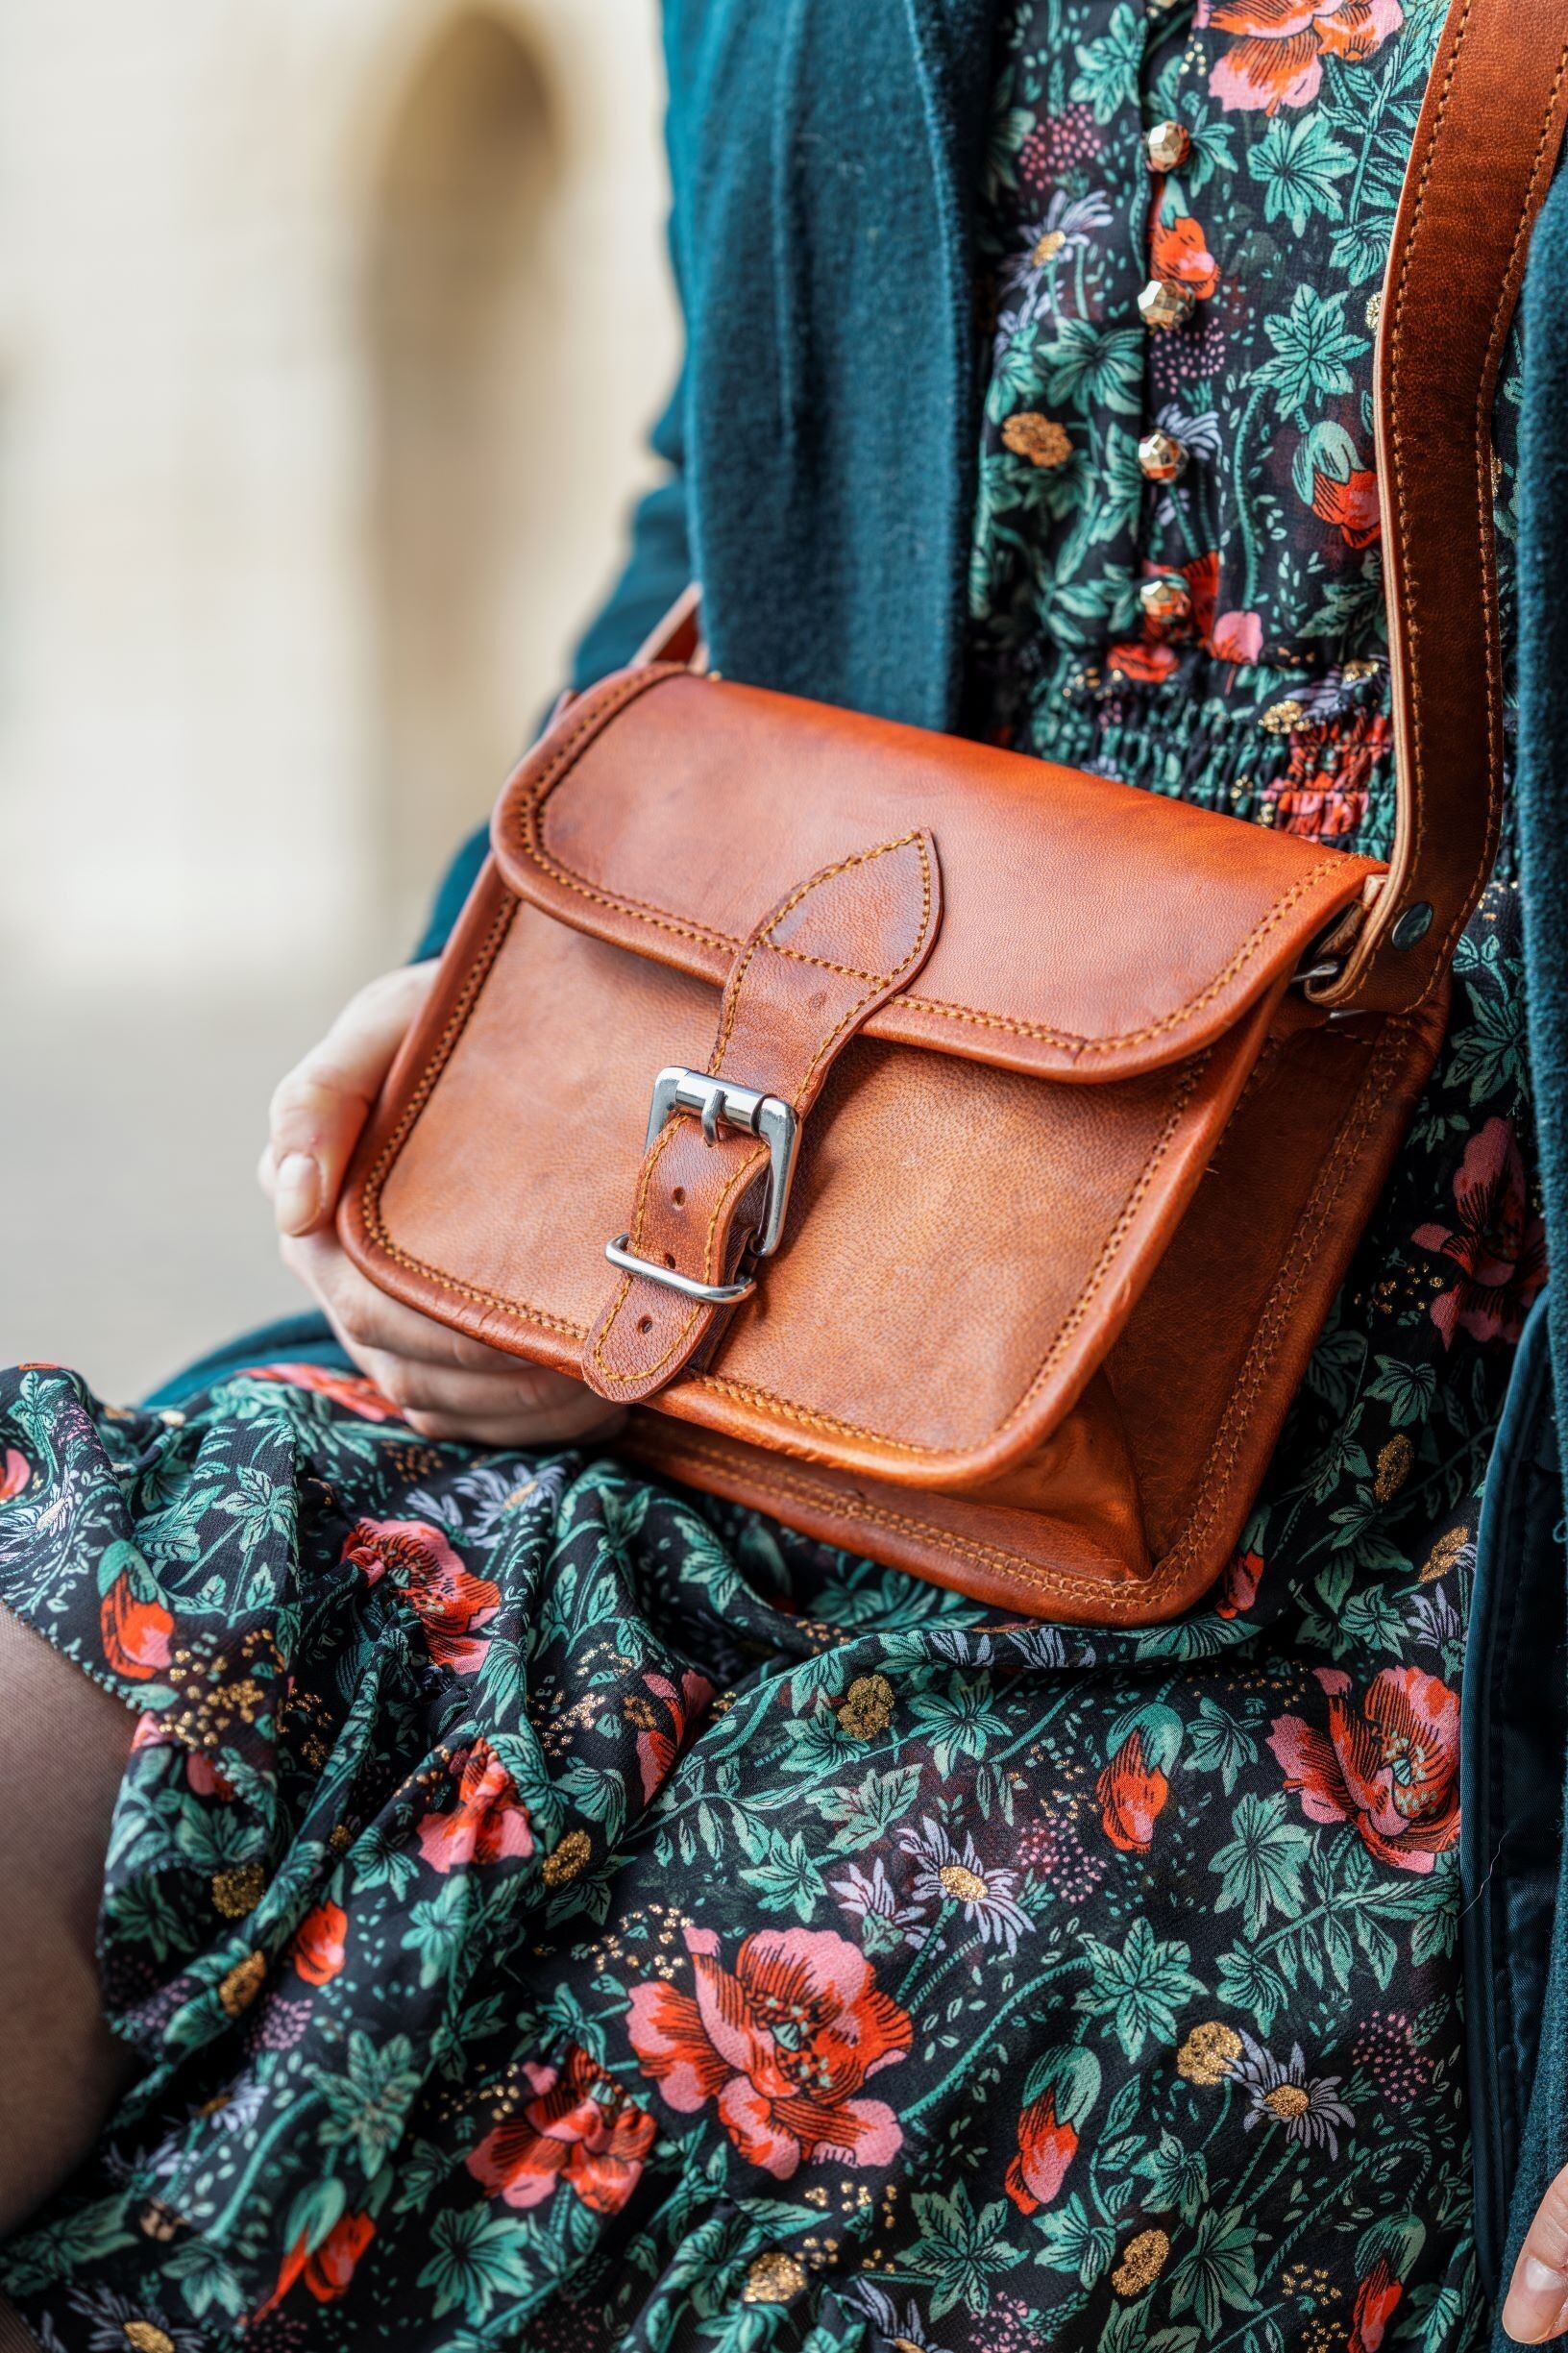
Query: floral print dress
[556, 1912]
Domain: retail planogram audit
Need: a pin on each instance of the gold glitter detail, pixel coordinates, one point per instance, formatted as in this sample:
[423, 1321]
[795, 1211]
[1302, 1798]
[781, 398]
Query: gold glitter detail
[640, 1713]
[1394, 1467]
[774, 2278]
[1280, 717]
[568, 1859]
[868, 1707]
[146, 2337]
[1142, 2261]
[1288, 2101]
[340, 1838]
[244, 1982]
[239, 1890]
[1353, 673]
[1039, 439]
[1209, 2053]
[962, 1885]
[1444, 1554]
[1048, 247]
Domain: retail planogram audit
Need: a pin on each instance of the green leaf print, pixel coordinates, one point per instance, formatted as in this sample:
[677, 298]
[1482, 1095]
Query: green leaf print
[1109, 68]
[1314, 351]
[479, 2257]
[1299, 160]
[1218, 2268]
[959, 2250]
[367, 2105]
[1136, 1993]
[1260, 1866]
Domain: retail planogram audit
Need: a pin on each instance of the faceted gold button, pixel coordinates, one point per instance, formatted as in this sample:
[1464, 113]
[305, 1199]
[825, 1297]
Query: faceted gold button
[1167, 146]
[1161, 458]
[1167, 602]
[1163, 306]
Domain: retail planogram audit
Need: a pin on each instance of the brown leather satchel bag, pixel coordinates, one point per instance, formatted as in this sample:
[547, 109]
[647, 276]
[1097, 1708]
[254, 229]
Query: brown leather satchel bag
[957, 1152]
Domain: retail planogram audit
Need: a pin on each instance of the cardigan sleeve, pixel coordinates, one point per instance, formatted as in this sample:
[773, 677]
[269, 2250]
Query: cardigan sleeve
[658, 566]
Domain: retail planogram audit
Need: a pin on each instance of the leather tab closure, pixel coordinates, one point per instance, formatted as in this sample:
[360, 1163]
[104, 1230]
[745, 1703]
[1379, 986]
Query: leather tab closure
[807, 978]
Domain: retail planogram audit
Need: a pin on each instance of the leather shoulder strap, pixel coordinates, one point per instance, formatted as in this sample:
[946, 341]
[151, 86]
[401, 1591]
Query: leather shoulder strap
[1486, 148]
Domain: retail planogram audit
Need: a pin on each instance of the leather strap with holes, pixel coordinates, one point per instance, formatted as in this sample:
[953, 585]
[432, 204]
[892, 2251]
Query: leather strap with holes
[1485, 147]
[810, 973]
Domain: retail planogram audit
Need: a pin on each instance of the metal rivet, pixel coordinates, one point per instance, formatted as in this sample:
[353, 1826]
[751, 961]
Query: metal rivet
[1414, 924]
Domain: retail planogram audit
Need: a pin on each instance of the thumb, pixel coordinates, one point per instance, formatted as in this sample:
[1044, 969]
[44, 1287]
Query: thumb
[1537, 2299]
[319, 1109]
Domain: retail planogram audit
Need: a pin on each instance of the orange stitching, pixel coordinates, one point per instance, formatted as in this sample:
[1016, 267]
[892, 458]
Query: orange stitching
[1109, 1252]
[1070, 1041]
[742, 1177]
[732, 995]
[1380, 1079]
[1111, 1604]
[1397, 438]
[370, 1193]
[855, 1507]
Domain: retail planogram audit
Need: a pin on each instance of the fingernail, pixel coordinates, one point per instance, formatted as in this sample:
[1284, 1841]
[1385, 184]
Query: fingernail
[1535, 2301]
[296, 1199]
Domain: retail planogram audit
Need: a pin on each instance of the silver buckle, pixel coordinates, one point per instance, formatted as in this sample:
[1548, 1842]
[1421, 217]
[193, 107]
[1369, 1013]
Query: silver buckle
[720, 1103]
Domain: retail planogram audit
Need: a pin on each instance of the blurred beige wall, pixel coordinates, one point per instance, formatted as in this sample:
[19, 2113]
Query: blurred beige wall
[328, 332]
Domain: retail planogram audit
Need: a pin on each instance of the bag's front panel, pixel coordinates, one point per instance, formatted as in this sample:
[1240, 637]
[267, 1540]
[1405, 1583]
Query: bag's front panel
[987, 1228]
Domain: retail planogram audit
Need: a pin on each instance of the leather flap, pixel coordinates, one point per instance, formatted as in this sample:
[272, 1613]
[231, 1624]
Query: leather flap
[1091, 931]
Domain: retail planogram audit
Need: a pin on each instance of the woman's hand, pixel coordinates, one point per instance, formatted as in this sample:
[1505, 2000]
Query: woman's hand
[1537, 2299]
[444, 1385]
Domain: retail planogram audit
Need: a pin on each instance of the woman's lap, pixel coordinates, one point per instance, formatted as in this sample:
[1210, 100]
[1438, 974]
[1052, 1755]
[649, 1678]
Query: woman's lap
[541, 1904]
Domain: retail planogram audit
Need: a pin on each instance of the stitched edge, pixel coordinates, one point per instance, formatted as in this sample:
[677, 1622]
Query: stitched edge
[1376, 935]
[530, 816]
[1213, 1482]
[808, 1418]
[879, 984]
[1110, 1603]
[375, 1181]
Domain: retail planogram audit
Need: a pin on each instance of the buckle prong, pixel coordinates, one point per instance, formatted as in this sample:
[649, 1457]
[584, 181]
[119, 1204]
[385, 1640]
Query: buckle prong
[721, 1102]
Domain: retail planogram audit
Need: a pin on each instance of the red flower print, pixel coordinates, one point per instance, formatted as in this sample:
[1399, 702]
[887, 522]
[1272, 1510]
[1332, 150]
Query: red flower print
[15, 1473]
[1149, 663]
[320, 1944]
[328, 2269]
[1375, 2301]
[448, 1602]
[1351, 507]
[488, 1825]
[657, 1747]
[1202, 577]
[581, 2128]
[1498, 1248]
[1238, 1588]
[1132, 1795]
[1047, 2147]
[783, 2042]
[1179, 255]
[346, 1389]
[1392, 1768]
[136, 1635]
[202, 1774]
[1237, 637]
[1061, 2089]
[1278, 59]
